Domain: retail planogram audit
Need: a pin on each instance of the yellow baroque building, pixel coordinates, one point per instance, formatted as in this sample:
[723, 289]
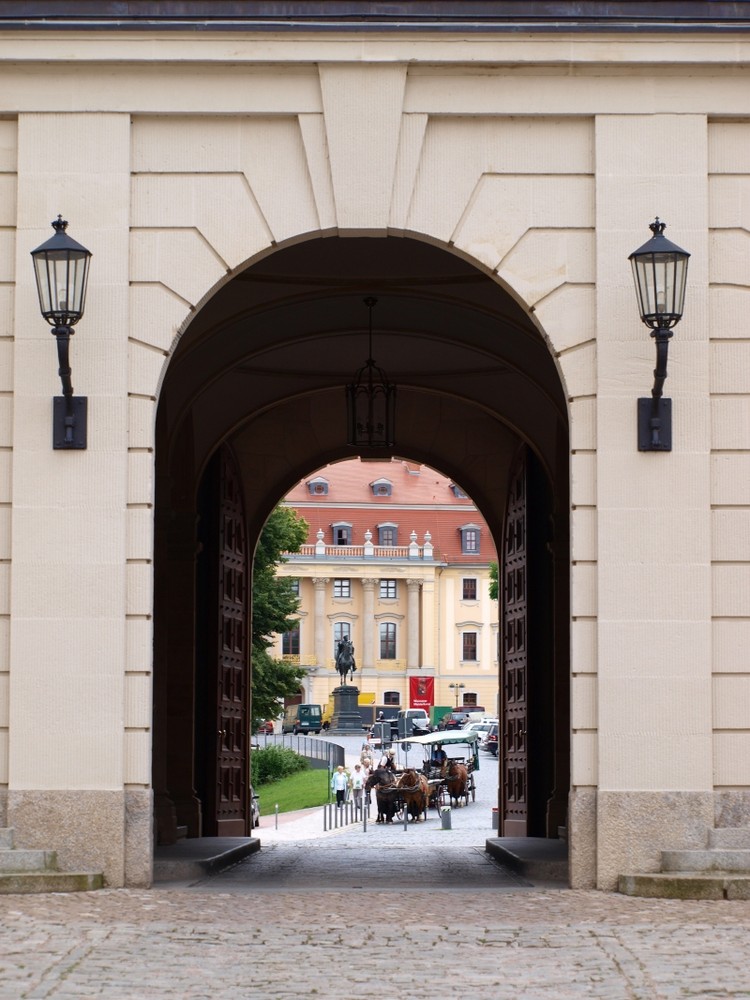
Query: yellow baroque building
[398, 561]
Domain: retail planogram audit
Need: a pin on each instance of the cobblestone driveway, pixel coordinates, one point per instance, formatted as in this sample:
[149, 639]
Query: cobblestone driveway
[227, 938]
[403, 915]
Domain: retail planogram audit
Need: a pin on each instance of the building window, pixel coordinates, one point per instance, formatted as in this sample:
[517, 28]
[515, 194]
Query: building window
[290, 643]
[470, 540]
[469, 646]
[388, 589]
[294, 586]
[387, 641]
[342, 534]
[470, 699]
[391, 698]
[341, 630]
[388, 534]
[342, 588]
[381, 488]
[317, 487]
[469, 589]
[458, 492]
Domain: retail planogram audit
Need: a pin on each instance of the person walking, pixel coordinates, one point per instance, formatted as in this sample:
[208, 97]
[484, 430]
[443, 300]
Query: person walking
[357, 784]
[339, 785]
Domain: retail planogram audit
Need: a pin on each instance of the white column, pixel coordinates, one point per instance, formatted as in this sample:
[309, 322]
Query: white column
[368, 624]
[412, 624]
[70, 586]
[319, 583]
[650, 586]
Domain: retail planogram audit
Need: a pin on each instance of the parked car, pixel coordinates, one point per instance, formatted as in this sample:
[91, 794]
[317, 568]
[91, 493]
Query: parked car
[491, 740]
[481, 728]
[454, 720]
[266, 727]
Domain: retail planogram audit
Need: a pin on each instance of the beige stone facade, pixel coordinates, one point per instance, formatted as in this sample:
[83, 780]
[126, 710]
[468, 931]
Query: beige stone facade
[504, 177]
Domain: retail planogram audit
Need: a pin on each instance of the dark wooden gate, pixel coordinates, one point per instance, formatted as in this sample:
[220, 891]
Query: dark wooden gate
[225, 716]
[515, 632]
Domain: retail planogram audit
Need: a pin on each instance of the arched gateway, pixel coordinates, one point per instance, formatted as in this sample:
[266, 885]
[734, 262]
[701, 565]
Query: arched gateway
[254, 399]
[243, 185]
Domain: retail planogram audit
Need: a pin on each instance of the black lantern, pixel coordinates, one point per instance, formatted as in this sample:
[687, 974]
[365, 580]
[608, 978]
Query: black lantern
[371, 402]
[660, 275]
[61, 268]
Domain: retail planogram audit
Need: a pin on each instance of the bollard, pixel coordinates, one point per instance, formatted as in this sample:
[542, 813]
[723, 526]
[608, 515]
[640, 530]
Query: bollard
[406, 817]
[277, 815]
[495, 819]
[445, 817]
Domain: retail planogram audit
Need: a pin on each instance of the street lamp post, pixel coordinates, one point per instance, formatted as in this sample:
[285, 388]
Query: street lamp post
[458, 688]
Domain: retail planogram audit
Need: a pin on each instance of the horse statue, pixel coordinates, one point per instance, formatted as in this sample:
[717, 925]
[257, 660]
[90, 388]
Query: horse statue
[345, 659]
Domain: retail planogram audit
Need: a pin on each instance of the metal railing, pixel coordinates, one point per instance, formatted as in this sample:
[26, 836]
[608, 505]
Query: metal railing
[306, 746]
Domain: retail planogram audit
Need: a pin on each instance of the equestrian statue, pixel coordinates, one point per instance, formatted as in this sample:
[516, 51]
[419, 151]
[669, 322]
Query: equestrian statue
[345, 659]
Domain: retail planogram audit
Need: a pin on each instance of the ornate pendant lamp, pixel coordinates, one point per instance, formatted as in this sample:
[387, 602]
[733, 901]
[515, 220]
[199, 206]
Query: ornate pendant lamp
[370, 402]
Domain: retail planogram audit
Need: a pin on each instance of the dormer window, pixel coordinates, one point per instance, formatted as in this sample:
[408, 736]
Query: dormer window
[388, 534]
[342, 533]
[317, 487]
[470, 539]
[458, 492]
[381, 488]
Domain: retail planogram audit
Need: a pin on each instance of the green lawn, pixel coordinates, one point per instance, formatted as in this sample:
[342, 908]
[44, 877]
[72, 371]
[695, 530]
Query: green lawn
[298, 791]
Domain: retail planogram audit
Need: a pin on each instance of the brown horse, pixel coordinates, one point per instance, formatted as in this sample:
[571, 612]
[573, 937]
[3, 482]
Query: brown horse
[457, 779]
[384, 783]
[415, 793]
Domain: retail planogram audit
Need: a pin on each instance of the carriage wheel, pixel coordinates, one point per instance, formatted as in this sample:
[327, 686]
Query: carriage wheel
[473, 793]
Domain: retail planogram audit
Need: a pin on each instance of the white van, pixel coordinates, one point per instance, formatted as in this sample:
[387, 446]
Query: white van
[413, 721]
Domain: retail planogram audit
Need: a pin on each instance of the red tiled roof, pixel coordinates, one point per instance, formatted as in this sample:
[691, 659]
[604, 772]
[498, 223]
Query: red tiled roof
[421, 500]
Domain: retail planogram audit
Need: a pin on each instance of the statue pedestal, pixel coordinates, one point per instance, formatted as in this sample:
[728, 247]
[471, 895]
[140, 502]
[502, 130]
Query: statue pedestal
[346, 715]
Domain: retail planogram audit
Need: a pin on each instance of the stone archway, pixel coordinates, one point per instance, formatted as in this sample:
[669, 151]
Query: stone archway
[262, 367]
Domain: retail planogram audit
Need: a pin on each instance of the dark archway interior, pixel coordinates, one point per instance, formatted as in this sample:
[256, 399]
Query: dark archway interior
[262, 368]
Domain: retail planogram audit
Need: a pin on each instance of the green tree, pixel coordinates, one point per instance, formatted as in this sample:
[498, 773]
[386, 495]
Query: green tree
[494, 581]
[274, 607]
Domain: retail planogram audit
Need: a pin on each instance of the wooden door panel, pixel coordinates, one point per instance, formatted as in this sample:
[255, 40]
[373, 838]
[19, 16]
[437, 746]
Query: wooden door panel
[514, 722]
[229, 807]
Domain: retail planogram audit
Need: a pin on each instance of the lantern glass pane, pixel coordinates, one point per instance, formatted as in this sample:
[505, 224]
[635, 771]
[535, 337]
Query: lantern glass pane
[660, 286]
[61, 277]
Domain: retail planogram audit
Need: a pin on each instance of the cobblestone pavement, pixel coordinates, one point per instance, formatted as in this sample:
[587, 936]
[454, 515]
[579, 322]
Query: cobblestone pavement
[339, 944]
[421, 913]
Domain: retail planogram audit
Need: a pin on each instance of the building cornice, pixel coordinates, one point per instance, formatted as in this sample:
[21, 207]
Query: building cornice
[466, 16]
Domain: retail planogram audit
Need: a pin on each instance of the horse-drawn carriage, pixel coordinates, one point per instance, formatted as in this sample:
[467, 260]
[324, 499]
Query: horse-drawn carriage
[450, 775]
[431, 780]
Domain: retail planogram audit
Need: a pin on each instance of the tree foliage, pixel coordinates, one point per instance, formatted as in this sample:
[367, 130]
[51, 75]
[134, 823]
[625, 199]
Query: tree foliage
[494, 581]
[274, 608]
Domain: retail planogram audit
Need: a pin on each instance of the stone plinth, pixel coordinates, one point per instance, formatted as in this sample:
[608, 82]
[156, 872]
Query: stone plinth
[346, 714]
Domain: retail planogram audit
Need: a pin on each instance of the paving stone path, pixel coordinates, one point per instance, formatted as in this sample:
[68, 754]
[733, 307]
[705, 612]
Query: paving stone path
[404, 915]
[226, 939]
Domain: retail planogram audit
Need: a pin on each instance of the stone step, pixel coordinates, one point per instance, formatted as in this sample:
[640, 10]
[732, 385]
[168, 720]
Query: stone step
[21, 860]
[31, 882]
[730, 836]
[6, 838]
[724, 860]
[686, 885]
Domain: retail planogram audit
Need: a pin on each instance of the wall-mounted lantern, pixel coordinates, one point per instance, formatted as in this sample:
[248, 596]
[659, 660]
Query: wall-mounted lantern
[61, 268]
[660, 275]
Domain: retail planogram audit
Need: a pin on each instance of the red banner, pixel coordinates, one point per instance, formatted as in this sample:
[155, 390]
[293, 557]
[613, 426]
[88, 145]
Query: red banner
[421, 692]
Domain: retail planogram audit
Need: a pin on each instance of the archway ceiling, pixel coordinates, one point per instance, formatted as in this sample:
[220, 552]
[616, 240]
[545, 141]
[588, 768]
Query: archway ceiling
[295, 324]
